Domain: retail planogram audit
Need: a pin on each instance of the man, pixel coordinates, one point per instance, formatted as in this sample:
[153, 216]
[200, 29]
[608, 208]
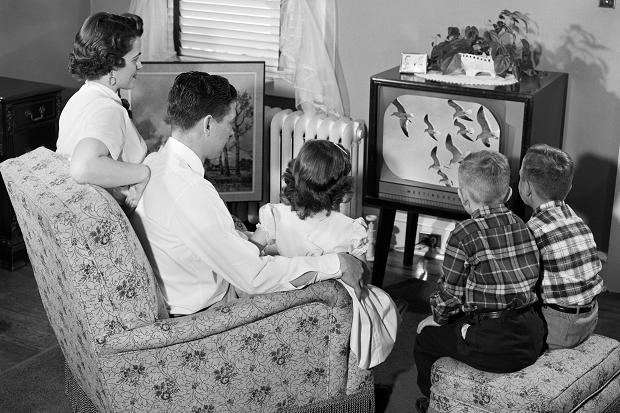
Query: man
[184, 226]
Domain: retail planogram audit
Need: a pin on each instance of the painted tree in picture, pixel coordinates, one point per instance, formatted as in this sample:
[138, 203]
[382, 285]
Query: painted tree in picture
[244, 119]
[243, 123]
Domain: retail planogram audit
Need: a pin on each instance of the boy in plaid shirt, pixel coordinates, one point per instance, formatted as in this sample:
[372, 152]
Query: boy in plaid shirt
[482, 312]
[570, 262]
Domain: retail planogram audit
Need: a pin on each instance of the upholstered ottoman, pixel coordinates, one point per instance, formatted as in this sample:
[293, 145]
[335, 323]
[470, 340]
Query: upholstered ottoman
[584, 379]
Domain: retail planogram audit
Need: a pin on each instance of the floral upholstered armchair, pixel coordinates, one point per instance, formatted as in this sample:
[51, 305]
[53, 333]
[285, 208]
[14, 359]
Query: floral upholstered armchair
[278, 352]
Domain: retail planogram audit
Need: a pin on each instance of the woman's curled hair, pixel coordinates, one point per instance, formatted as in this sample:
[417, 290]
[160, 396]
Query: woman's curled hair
[101, 43]
[318, 178]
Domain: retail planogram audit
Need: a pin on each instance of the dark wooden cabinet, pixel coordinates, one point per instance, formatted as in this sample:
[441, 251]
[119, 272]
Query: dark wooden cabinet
[29, 119]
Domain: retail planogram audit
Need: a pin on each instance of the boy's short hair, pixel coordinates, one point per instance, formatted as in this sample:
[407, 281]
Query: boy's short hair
[485, 175]
[550, 170]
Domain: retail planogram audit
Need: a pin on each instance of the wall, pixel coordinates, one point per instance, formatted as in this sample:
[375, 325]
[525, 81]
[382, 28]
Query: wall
[37, 36]
[111, 6]
[577, 37]
[612, 267]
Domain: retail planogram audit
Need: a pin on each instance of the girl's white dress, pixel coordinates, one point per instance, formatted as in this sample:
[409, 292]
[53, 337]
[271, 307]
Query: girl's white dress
[375, 317]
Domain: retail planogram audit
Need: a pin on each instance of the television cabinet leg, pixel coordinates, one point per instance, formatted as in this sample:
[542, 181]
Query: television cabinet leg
[412, 228]
[382, 245]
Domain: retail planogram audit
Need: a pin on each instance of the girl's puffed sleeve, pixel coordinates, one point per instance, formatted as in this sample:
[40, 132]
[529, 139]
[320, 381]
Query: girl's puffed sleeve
[359, 238]
[267, 221]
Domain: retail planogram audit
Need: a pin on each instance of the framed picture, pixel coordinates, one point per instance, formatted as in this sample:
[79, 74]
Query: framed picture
[413, 62]
[237, 171]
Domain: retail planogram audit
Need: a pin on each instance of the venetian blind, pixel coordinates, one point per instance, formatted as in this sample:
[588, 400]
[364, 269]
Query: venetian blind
[231, 30]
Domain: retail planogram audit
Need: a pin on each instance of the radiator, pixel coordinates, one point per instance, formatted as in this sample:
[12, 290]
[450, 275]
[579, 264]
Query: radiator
[288, 131]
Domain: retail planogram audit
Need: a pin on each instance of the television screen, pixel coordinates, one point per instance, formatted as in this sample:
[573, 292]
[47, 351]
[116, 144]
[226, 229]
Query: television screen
[421, 137]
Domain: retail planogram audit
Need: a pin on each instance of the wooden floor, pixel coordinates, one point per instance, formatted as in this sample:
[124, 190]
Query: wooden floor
[24, 328]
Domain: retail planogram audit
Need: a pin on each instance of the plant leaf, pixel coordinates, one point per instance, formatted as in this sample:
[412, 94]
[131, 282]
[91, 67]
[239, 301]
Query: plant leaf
[502, 63]
[451, 64]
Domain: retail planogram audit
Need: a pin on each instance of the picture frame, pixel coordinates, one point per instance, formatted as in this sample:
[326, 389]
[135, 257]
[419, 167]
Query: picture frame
[237, 172]
[413, 62]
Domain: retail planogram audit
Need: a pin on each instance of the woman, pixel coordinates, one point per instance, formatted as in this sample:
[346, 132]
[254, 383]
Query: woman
[95, 130]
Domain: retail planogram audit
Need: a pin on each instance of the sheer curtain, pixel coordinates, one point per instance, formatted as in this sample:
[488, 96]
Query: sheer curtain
[308, 54]
[157, 40]
[307, 48]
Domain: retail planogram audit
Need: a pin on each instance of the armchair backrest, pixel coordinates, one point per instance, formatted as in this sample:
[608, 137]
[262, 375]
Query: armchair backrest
[91, 271]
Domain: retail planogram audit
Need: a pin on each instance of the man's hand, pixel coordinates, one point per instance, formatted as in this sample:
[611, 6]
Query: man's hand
[428, 321]
[352, 272]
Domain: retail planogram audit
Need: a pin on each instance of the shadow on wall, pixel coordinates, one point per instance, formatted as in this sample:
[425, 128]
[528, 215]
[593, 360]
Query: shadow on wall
[610, 269]
[592, 195]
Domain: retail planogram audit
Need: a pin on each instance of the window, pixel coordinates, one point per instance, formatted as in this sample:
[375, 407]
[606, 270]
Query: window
[231, 30]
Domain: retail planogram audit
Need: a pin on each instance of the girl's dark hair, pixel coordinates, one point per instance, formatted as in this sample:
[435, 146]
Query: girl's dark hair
[195, 95]
[318, 178]
[101, 43]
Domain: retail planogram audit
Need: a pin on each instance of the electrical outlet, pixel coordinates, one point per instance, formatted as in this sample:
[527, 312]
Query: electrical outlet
[431, 240]
[607, 3]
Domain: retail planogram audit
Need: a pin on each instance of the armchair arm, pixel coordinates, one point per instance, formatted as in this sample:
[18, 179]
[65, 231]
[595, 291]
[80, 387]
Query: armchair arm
[224, 317]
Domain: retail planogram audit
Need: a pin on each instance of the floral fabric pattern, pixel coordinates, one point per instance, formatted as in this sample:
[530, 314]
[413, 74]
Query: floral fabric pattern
[261, 354]
[559, 381]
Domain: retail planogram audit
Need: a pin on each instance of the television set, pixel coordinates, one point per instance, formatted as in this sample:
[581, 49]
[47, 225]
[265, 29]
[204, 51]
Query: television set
[419, 130]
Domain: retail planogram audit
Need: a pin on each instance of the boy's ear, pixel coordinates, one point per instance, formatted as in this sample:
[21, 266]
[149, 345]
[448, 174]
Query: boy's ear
[464, 200]
[528, 188]
[508, 194]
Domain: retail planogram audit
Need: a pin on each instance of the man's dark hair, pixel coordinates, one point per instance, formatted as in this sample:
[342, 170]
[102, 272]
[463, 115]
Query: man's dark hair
[101, 43]
[550, 170]
[318, 178]
[195, 95]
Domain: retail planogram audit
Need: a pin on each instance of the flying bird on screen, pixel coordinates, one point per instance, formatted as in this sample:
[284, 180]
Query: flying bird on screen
[459, 112]
[486, 133]
[457, 155]
[463, 130]
[435, 164]
[403, 116]
[430, 129]
[444, 178]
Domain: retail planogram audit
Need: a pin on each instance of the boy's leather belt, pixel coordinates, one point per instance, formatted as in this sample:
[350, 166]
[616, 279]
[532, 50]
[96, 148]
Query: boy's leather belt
[483, 315]
[570, 310]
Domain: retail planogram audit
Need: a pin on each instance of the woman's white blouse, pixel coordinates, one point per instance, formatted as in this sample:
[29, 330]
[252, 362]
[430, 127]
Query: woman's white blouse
[95, 111]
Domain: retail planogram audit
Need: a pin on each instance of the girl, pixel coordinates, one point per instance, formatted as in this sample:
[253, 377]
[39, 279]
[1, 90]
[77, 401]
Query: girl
[308, 222]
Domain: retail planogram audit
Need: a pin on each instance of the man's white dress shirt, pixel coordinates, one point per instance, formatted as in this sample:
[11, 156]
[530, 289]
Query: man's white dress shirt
[193, 245]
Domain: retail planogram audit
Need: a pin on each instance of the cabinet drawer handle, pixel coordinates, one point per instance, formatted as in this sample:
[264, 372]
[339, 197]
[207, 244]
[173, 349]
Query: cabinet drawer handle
[29, 115]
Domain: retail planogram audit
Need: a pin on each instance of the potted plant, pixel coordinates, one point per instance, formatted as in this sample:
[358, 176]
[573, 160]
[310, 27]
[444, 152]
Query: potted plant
[505, 42]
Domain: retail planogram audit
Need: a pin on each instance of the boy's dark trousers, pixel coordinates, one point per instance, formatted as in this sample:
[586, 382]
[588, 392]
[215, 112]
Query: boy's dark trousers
[505, 344]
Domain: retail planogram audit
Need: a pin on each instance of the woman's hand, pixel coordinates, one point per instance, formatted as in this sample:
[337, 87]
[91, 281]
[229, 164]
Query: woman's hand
[135, 191]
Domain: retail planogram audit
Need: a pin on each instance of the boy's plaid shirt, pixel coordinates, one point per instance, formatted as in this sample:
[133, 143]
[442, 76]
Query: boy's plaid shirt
[570, 262]
[491, 262]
